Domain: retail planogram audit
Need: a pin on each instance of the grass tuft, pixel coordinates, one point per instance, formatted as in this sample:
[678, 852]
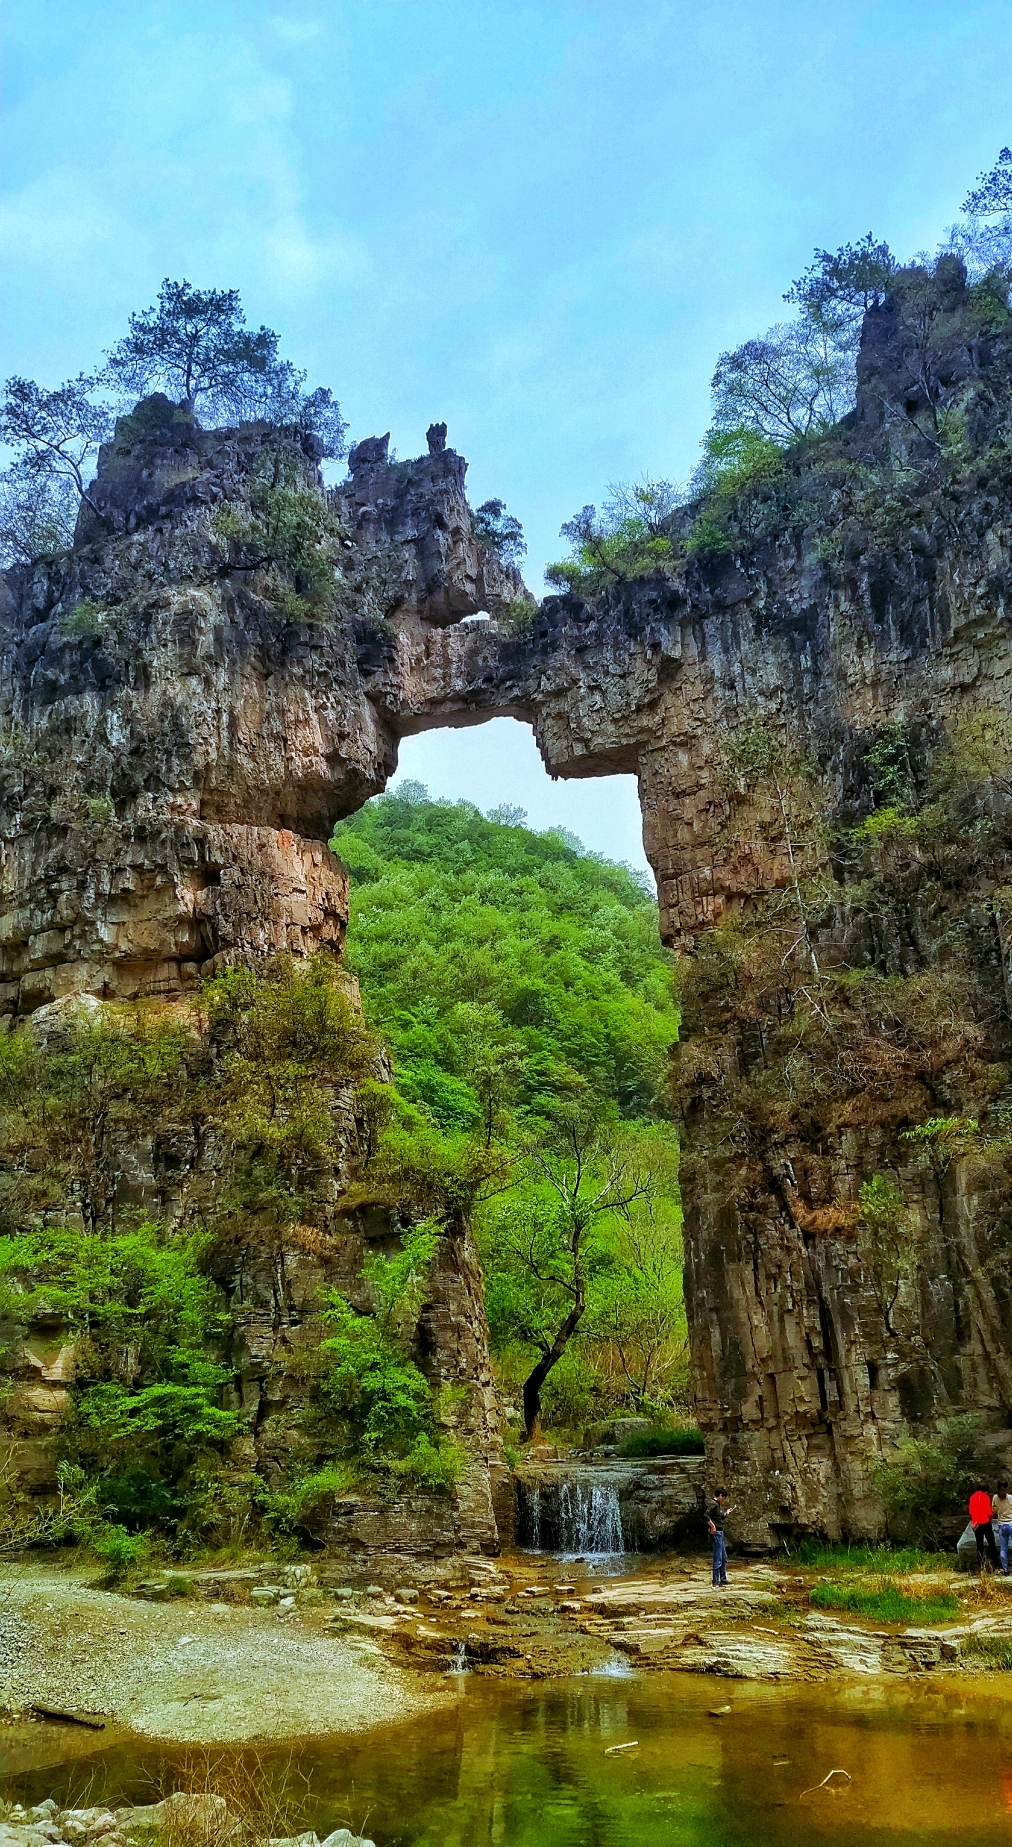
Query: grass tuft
[996, 1650]
[885, 1561]
[885, 1602]
[662, 1443]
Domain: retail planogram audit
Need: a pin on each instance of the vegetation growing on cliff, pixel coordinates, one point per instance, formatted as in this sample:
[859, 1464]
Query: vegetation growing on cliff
[864, 1002]
[148, 1155]
[193, 344]
[795, 445]
[144, 1156]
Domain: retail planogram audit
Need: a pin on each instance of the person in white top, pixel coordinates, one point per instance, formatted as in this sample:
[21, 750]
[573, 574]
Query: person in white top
[1001, 1505]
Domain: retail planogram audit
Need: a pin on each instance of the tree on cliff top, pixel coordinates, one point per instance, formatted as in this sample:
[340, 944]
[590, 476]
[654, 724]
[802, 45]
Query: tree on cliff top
[56, 434]
[195, 344]
[984, 240]
[855, 277]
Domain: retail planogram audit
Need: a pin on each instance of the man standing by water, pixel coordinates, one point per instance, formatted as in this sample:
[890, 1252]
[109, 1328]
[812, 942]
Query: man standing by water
[715, 1526]
[983, 1531]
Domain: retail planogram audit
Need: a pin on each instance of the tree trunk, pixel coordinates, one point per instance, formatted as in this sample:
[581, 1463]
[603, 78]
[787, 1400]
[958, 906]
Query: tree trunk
[535, 1380]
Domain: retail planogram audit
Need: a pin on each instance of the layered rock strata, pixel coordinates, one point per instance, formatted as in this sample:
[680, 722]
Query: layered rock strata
[173, 764]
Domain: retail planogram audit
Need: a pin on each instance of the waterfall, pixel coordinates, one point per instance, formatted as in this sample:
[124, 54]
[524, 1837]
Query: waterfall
[573, 1514]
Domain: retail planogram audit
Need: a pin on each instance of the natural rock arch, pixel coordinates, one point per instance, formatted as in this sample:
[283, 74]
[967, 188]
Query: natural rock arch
[172, 773]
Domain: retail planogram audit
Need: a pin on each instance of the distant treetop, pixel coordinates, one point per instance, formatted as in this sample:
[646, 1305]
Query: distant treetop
[855, 276]
[993, 191]
[194, 344]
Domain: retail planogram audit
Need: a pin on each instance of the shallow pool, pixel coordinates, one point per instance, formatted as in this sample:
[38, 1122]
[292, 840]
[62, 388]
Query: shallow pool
[525, 1765]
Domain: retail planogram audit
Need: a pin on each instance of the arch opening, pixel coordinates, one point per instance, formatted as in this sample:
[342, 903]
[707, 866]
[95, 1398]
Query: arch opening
[497, 764]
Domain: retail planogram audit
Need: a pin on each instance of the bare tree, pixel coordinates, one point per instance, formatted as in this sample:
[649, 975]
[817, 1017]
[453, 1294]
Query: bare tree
[38, 513]
[57, 434]
[796, 380]
[984, 239]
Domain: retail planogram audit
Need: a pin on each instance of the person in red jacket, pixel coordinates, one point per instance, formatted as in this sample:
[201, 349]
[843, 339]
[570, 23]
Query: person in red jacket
[983, 1531]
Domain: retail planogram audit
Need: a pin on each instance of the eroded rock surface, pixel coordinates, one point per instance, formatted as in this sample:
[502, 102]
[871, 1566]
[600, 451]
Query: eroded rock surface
[172, 767]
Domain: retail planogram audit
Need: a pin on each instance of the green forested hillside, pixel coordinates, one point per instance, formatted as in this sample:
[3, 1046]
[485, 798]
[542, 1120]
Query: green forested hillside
[522, 989]
[486, 950]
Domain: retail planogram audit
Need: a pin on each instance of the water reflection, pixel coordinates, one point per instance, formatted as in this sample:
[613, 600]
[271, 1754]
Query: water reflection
[523, 1765]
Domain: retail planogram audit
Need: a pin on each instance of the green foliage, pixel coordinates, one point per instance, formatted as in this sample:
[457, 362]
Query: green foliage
[887, 760]
[590, 1195]
[285, 1510]
[886, 1603]
[926, 1480]
[662, 1442]
[499, 532]
[144, 1319]
[72, 1109]
[740, 468]
[991, 1650]
[887, 1234]
[84, 621]
[120, 1550]
[289, 533]
[195, 344]
[519, 616]
[882, 1560]
[373, 1383]
[857, 276]
[516, 978]
[281, 1041]
[630, 538]
[504, 968]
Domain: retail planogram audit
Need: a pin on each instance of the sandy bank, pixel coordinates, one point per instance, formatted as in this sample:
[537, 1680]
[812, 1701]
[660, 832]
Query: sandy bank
[190, 1673]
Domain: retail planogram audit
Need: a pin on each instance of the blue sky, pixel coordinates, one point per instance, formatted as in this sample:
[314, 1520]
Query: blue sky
[541, 222]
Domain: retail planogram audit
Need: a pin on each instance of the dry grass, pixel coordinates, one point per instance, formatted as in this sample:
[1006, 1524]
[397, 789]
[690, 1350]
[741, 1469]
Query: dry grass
[244, 1801]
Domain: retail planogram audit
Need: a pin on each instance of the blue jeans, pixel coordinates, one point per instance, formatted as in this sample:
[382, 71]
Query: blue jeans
[1004, 1535]
[719, 1559]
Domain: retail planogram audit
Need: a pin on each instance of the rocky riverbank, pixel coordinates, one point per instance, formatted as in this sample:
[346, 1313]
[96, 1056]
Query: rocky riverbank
[196, 1819]
[229, 1656]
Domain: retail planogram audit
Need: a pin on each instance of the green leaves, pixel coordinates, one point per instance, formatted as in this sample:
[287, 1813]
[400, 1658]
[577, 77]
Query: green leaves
[504, 967]
[282, 1043]
[143, 1319]
[374, 1384]
[72, 1111]
[289, 534]
[630, 538]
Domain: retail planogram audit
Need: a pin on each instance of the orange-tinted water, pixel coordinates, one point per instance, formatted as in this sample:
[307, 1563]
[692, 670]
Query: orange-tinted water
[525, 1765]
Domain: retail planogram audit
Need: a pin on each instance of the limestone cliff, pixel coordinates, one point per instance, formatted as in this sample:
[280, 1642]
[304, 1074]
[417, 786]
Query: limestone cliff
[174, 760]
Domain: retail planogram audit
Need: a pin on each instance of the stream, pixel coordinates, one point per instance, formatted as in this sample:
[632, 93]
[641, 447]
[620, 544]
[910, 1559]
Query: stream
[526, 1765]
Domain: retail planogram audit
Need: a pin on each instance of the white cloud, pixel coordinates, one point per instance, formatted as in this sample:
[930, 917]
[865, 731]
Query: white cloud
[56, 216]
[292, 260]
[270, 99]
[296, 31]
